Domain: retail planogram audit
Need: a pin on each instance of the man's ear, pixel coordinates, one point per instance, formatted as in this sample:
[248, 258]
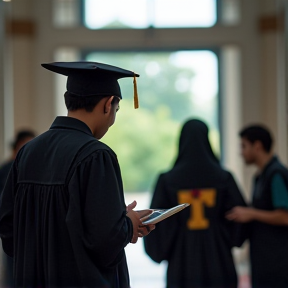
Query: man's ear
[108, 105]
[258, 145]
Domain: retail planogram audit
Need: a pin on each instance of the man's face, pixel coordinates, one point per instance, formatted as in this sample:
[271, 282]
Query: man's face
[248, 151]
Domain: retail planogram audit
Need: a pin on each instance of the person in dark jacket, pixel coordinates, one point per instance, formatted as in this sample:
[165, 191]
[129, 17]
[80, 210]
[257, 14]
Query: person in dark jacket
[62, 214]
[268, 213]
[21, 138]
[196, 242]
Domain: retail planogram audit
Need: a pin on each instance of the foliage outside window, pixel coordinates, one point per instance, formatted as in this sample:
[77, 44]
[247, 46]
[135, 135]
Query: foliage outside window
[172, 87]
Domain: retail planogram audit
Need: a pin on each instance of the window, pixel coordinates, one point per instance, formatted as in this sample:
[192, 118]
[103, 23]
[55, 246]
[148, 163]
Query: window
[173, 86]
[66, 13]
[149, 13]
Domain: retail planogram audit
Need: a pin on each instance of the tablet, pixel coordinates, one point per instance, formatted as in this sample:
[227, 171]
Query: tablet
[160, 214]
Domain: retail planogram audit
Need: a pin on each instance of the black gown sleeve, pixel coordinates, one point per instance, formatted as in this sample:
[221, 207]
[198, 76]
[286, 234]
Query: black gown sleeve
[6, 211]
[96, 216]
[159, 242]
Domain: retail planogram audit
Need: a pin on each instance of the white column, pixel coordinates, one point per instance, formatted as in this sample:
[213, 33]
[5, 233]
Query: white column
[1, 80]
[6, 85]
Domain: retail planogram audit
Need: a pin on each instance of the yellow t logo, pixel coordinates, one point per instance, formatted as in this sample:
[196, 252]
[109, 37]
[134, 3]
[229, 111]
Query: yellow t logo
[197, 198]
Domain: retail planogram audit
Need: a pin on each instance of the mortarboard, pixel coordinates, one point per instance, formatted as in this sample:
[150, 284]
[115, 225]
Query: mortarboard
[91, 78]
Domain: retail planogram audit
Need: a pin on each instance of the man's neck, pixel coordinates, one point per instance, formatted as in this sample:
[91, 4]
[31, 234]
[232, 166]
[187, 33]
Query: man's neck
[263, 160]
[82, 116]
[94, 120]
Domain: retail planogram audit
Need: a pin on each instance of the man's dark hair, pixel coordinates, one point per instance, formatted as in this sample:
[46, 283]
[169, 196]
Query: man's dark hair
[74, 102]
[260, 133]
[22, 135]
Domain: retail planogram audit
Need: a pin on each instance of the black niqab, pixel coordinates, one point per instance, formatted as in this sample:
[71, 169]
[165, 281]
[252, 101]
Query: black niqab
[197, 257]
[194, 145]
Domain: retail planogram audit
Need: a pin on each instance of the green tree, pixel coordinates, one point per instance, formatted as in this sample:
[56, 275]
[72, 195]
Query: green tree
[161, 82]
[145, 143]
[146, 139]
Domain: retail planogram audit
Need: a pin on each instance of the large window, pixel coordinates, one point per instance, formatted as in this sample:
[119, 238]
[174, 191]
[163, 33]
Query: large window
[142, 14]
[149, 13]
[173, 87]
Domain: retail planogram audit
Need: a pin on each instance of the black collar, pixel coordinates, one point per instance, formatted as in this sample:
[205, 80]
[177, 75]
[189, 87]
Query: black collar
[269, 164]
[65, 122]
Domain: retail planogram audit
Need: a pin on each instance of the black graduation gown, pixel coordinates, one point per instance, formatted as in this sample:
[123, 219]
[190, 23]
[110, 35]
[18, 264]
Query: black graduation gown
[197, 241]
[62, 214]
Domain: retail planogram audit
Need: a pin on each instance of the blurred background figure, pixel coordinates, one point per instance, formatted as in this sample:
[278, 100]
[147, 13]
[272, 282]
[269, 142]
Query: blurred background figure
[21, 138]
[268, 214]
[196, 242]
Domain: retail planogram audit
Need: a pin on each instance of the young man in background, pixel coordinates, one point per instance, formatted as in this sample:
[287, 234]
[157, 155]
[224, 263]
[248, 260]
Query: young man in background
[268, 214]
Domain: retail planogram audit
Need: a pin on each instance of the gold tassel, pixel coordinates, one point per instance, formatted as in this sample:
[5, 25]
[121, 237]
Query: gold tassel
[136, 101]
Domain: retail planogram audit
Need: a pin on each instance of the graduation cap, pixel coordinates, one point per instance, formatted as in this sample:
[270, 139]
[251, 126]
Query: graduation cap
[91, 78]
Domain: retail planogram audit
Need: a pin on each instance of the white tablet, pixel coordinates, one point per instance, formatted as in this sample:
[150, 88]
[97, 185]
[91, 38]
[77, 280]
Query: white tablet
[160, 214]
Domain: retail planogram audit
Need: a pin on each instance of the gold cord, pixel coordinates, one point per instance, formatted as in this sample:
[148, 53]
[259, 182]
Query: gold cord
[136, 101]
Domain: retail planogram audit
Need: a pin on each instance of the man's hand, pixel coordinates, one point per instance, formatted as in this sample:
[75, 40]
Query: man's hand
[139, 230]
[240, 214]
[144, 230]
[246, 214]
